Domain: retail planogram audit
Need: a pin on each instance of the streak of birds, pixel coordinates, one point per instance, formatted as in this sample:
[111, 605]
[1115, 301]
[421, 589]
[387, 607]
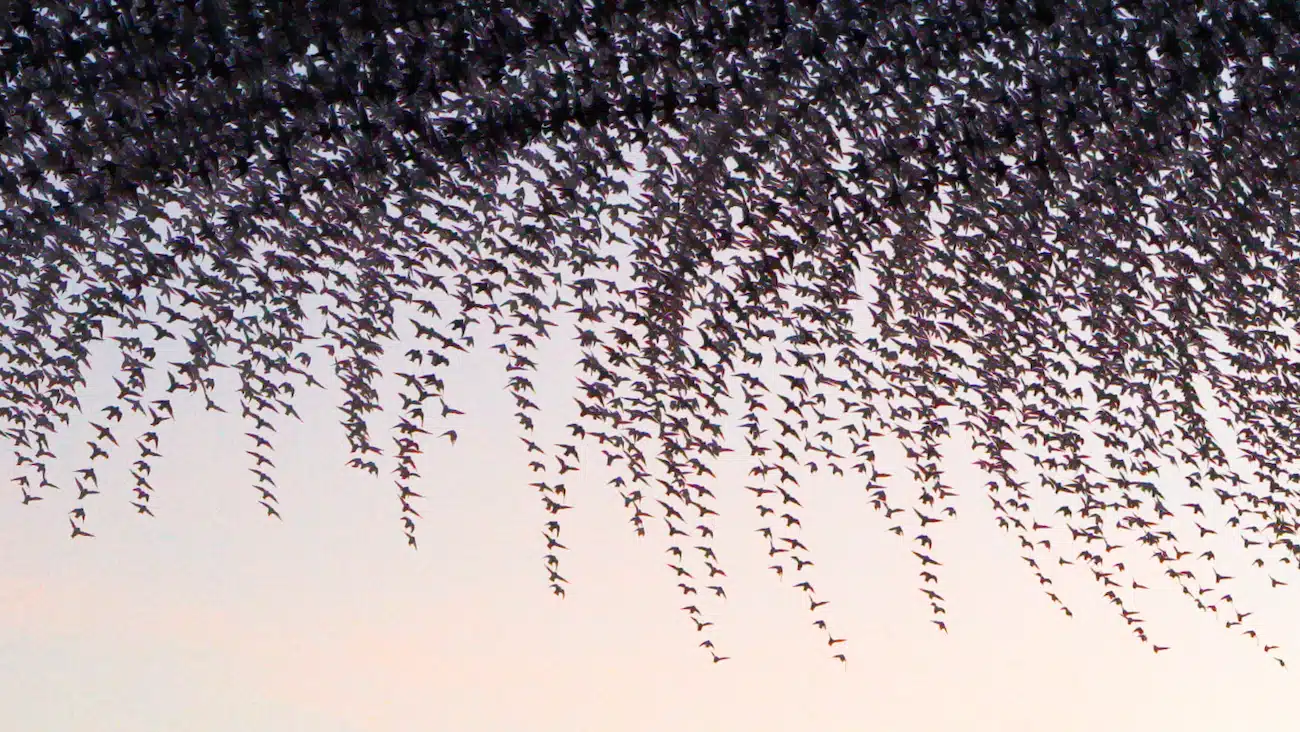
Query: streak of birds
[799, 232]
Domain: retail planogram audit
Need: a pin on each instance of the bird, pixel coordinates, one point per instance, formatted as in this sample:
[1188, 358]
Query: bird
[925, 520]
[83, 491]
[926, 559]
[103, 433]
[77, 531]
[260, 458]
[261, 441]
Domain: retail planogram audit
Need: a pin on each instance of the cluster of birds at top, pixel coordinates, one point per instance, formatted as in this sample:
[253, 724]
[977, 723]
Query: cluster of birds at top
[793, 230]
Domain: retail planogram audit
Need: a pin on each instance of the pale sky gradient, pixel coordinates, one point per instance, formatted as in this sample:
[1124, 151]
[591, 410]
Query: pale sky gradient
[212, 617]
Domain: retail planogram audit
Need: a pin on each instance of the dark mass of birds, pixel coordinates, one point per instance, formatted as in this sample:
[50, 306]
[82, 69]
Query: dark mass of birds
[796, 230]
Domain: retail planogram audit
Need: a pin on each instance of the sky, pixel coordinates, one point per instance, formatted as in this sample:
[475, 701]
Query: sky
[213, 616]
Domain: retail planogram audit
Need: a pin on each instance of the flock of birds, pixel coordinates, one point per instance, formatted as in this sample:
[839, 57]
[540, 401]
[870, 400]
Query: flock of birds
[798, 231]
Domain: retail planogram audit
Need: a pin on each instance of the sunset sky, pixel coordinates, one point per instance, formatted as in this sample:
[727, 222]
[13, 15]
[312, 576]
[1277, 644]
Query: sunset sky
[214, 617]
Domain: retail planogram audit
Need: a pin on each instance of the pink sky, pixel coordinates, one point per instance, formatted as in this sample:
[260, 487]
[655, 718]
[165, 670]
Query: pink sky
[212, 617]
